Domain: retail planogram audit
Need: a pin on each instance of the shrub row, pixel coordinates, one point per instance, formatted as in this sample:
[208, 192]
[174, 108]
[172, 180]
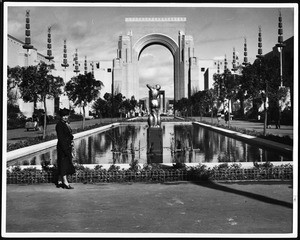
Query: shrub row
[152, 173]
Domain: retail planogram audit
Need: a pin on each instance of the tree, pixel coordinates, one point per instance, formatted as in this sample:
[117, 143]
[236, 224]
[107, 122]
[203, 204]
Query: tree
[101, 107]
[183, 105]
[13, 80]
[38, 85]
[226, 86]
[82, 90]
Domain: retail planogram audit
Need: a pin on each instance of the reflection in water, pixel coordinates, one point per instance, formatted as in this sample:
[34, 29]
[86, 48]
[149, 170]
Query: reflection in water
[184, 143]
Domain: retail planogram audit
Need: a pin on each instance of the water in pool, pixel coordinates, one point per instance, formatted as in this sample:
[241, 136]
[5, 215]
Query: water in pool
[185, 143]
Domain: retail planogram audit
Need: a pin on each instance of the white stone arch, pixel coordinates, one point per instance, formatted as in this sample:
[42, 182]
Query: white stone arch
[144, 32]
[166, 41]
[155, 38]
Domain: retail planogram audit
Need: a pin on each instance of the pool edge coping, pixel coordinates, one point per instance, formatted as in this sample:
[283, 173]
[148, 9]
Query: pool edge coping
[11, 155]
[250, 139]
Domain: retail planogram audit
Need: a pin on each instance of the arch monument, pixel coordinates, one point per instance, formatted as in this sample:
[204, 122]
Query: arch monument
[143, 32]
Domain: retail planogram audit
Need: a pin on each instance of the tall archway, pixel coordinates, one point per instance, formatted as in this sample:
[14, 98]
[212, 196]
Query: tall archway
[144, 32]
[156, 66]
[164, 41]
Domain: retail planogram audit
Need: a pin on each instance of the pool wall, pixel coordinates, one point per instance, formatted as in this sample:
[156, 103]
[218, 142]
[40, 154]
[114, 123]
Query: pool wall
[45, 145]
[287, 149]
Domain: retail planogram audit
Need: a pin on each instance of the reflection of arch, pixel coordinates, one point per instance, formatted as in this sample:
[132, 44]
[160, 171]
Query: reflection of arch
[155, 38]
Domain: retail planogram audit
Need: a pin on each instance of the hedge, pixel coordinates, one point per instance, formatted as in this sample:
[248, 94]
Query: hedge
[152, 173]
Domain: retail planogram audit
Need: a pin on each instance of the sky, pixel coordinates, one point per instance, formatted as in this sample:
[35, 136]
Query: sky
[94, 30]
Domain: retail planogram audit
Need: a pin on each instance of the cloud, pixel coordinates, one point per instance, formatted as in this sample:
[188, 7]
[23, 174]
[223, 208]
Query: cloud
[219, 39]
[15, 27]
[79, 30]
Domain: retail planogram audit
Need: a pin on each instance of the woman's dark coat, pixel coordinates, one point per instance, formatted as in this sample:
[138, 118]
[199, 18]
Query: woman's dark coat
[64, 149]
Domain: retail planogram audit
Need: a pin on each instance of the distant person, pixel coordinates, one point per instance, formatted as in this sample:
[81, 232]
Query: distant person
[65, 147]
[226, 116]
[219, 117]
[277, 116]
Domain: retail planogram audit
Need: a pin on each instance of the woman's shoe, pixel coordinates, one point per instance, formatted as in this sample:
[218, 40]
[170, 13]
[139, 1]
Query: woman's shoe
[67, 186]
[59, 185]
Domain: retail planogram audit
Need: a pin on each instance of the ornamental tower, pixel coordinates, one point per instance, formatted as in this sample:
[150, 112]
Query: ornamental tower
[225, 63]
[280, 45]
[49, 46]
[85, 65]
[27, 44]
[259, 43]
[76, 64]
[65, 59]
[245, 63]
[234, 65]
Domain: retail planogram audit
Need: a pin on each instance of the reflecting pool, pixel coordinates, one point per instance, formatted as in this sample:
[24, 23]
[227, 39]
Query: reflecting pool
[182, 142]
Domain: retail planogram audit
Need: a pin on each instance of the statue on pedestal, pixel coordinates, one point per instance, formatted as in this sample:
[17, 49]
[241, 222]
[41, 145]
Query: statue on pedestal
[154, 116]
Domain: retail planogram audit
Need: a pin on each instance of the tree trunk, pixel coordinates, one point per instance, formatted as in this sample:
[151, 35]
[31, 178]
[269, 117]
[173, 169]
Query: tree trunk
[242, 106]
[45, 118]
[212, 113]
[83, 120]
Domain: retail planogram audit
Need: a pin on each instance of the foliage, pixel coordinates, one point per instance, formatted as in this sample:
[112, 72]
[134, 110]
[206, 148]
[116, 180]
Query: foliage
[38, 85]
[13, 80]
[82, 90]
[153, 173]
[183, 106]
[15, 118]
[113, 105]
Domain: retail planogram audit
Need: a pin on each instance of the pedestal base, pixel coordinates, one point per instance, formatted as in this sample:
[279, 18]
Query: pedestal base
[154, 145]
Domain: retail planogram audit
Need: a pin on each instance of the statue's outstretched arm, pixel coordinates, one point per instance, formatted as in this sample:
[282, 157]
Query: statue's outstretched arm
[150, 87]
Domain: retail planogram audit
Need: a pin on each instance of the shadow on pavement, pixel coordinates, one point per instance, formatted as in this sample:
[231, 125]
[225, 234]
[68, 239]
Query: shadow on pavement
[213, 185]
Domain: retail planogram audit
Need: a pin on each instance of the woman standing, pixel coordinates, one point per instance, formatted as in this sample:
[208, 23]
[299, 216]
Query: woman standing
[65, 145]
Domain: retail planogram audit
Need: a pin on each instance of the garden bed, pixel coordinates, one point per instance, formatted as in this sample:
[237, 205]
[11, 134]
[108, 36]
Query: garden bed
[153, 173]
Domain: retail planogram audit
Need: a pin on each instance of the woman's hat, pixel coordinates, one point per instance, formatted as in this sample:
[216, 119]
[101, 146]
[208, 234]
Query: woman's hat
[64, 112]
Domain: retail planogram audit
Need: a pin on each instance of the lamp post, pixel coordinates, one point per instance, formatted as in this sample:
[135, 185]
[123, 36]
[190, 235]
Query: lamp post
[280, 45]
[264, 93]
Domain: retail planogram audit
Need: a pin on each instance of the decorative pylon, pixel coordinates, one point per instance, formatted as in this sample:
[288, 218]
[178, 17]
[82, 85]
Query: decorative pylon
[27, 44]
[92, 65]
[259, 55]
[234, 61]
[49, 46]
[65, 60]
[225, 63]
[280, 32]
[76, 64]
[85, 65]
[245, 63]
[280, 45]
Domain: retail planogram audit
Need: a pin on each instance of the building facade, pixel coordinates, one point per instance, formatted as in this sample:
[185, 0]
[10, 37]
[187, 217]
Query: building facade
[18, 56]
[143, 32]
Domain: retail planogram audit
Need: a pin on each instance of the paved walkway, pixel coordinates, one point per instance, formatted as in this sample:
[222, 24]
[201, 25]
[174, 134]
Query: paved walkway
[20, 134]
[131, 209]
